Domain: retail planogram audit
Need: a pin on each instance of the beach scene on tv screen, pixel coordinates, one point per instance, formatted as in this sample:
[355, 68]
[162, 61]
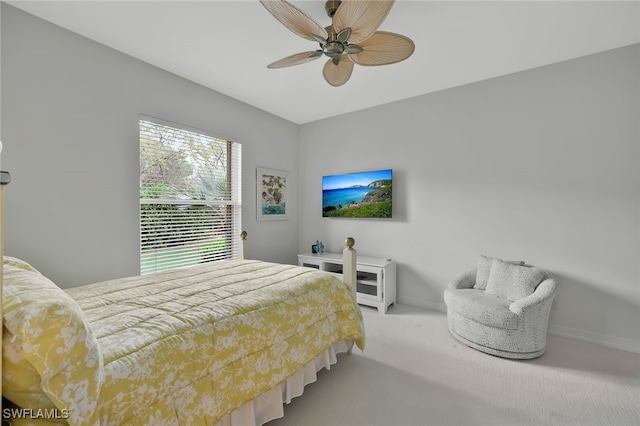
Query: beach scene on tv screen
[362, 194]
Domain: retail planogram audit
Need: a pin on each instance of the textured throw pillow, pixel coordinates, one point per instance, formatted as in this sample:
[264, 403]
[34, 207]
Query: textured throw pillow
[484, 269]
[511, 281]
[482, 274]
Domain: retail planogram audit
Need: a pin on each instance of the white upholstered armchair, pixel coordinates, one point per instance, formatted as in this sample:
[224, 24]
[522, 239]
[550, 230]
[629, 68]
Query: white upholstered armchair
[501, 308]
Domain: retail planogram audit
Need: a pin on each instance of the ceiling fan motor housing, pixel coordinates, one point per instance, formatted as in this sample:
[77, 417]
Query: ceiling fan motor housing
[333, 47]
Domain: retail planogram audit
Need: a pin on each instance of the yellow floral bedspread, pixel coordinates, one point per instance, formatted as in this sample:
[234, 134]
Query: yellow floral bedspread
[187, 347]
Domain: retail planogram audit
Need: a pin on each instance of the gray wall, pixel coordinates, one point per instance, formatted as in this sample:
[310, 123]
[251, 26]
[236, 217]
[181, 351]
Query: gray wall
[540, 165]
[70, 112]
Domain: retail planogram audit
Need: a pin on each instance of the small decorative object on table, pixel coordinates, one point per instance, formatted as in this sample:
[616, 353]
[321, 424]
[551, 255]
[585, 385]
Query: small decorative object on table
[318, 247]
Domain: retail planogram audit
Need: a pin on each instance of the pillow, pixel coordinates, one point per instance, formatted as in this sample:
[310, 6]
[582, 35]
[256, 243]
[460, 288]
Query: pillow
[18, 263]
[511, 281]
[48, 329]
[20, 380]
[482, 275]
[484, 269]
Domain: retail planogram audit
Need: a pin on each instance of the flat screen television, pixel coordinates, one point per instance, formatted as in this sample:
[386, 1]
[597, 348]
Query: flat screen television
[362, 194]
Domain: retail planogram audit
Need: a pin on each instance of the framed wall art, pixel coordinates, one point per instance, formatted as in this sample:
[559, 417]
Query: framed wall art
[272, 194]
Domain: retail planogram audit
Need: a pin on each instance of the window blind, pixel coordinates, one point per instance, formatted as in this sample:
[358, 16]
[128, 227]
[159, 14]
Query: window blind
[190, 197]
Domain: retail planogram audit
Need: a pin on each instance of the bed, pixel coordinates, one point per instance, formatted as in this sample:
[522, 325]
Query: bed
[223, 344]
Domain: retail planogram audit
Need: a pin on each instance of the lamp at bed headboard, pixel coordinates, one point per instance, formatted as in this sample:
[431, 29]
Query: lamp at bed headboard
[5, 177]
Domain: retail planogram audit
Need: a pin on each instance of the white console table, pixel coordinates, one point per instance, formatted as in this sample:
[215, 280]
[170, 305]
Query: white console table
[376, 277]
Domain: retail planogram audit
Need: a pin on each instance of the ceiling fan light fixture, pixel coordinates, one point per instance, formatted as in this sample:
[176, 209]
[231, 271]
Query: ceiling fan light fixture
[333, 49]
[351, 38]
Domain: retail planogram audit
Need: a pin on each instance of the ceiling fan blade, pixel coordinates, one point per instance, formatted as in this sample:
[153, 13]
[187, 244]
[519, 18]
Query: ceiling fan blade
[337, 75]
[383, 48]
[294, 19]
[296, 59]
[364, 17]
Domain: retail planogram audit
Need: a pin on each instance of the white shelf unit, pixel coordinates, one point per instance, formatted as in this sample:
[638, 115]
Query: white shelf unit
[376, 277]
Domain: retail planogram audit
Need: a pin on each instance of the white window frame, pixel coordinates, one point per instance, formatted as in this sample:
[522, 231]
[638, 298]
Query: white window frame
[189, 249]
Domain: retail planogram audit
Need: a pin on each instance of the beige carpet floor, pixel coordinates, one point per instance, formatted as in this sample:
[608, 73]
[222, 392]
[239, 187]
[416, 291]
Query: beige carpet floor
[412, 372]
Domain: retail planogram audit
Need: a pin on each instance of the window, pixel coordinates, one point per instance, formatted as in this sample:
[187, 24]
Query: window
[190, 209]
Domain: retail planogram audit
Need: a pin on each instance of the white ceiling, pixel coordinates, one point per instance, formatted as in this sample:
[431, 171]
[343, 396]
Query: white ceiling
[226, 45]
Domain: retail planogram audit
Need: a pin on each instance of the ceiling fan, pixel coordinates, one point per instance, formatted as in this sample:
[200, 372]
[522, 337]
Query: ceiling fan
[351, 38]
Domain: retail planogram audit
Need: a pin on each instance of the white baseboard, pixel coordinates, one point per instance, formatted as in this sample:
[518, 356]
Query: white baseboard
[614, 342]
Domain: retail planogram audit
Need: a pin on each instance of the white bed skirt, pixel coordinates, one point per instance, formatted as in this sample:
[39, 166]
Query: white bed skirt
[269, 405]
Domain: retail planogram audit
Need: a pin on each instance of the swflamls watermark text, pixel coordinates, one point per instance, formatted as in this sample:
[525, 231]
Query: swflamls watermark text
[31, 413]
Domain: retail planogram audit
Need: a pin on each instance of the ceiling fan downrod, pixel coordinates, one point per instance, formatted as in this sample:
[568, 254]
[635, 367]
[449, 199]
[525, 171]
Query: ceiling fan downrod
[331, 6]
